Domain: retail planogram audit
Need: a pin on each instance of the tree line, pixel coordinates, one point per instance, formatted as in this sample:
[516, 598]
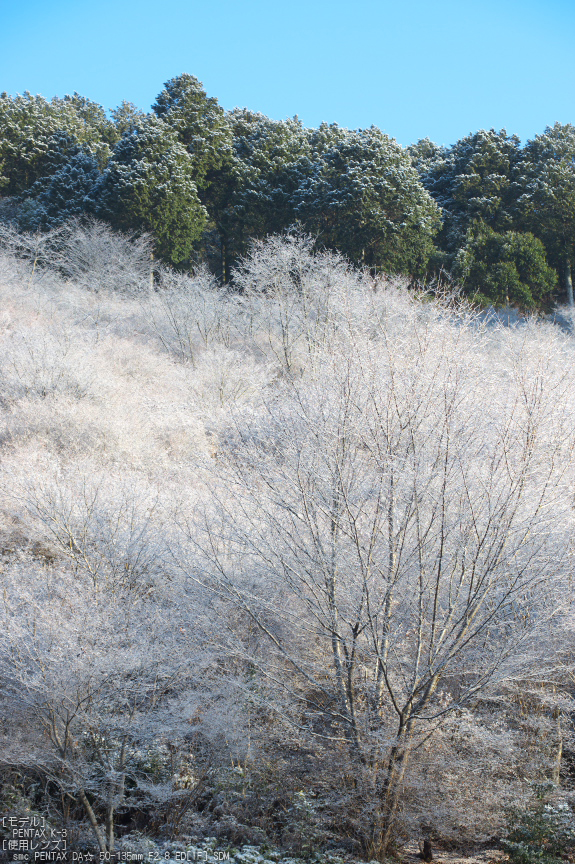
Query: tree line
[493, 216]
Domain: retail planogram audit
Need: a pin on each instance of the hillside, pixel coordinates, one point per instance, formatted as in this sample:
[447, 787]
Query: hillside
[285, 562]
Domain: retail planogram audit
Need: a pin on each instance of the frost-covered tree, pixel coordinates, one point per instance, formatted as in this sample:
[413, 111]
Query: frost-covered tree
[126, 117]
[84, 694]
[149, 186]
[473, 179]
[84, 251]
[392, 535]
[199, 122]
[355, 191]
[28, 125]
[91, 255]
[268, 166]
[300, 297]
[547, 203]
[65, 194]
[362, 196]
[252, 194]
[97, 658]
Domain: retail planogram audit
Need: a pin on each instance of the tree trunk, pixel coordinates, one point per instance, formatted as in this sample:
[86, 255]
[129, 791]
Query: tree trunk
[556, 776]
[391, 801]
[569, 283]
[151, 271]
[116, 796]
[93, 821]
[383, 823]
[110, 824]
[224, 261]
[426, 850]
[33, 270]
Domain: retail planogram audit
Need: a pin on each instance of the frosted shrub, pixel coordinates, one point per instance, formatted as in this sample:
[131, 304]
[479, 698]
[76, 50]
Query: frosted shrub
[37, 364]
[93, 256]
[224, 378]
[188, 314]
[86, 691]
[12, 271]
[109, 529]
[86, 252]
[296, 299]
[471, 771]
[36, 249]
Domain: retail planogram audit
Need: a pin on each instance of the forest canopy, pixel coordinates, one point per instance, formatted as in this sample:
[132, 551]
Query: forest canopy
[206, 182]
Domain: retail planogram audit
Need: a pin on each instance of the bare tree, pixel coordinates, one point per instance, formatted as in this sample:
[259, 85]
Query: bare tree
[396, 527]
[108, 529]
[190, 313]
[93, 256]
[90, 675]
[35, 248]
[295, 299]
[86, 252]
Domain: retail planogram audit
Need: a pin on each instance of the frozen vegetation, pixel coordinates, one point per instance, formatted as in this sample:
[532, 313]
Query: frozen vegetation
[286, 564]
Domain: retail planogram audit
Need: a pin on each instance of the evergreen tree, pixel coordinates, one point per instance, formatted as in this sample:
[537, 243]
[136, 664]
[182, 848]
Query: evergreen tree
[253, 193]
[68, 192]
[126, 117]
[507, 268]
[362, 196]
[199, 122]
[271, 162]
[28, 125]
[546, 176]
[149, 186]
[97, 126]
[472, 180]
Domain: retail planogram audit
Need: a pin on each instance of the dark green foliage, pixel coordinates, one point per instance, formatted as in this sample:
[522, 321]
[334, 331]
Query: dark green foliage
[362, 196]
[126, 117]
[424, 153]
[97, 127]
[355, 191]
[251, 195]
[545, 834]
[149, 186]
[67, 193]
[198, 121]
[546, 176]
[507, 268]
[32, 129]
[203, 128]
[487, 177]
[547, 172]
[269, 157]
[473, 179]
[206, 183]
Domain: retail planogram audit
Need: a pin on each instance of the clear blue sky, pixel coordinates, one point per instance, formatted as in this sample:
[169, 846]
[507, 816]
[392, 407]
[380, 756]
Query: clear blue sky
[435, 68]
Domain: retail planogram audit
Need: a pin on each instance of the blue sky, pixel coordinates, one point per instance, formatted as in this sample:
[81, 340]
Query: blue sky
[425, 68]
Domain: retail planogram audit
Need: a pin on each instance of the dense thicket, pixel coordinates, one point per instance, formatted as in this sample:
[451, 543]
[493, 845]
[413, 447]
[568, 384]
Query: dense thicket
[206, 182]
[287, 565]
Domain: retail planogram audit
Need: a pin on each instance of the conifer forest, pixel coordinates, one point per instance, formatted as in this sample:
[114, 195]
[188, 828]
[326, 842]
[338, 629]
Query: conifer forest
[287, 479]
